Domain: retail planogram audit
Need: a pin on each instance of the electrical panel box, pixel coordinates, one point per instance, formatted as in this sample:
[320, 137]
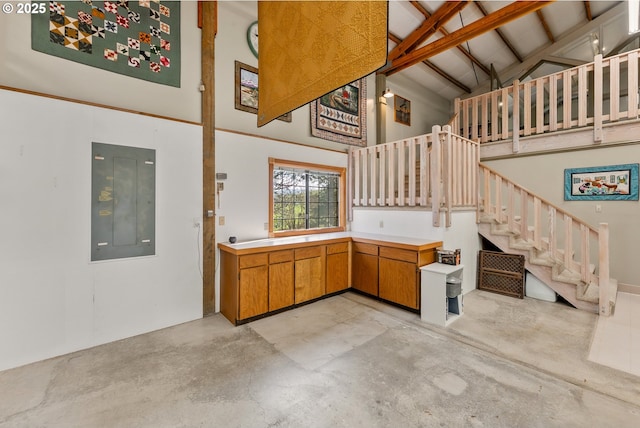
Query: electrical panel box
[123, 187]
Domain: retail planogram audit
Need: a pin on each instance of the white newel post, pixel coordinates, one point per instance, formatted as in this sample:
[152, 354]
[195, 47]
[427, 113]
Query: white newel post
[516, 117]
[436, 165]
[597, 99]
[603, 269]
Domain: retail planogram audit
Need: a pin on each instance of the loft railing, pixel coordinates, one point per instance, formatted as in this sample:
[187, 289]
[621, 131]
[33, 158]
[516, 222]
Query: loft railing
[441, 171]
[564, 239]
[603, 91]
[415, 172]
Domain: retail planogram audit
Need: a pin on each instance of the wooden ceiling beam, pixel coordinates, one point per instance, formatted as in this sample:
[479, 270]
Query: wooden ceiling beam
[428, 27]
[566, 40]
[494, 20]
[445, 33]
[432, 66]
[500, 33]
[587, 10]
[547, 30]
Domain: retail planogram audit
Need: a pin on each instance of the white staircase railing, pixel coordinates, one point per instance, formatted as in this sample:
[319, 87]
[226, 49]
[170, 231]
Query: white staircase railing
[578, 251]
[440, 167]
[603, 91]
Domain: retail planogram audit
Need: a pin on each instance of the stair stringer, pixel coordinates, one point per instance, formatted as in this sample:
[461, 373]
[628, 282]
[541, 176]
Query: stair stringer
[544, 269]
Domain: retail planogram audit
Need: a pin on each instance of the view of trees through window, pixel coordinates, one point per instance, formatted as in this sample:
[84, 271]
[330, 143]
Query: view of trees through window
[304, 199]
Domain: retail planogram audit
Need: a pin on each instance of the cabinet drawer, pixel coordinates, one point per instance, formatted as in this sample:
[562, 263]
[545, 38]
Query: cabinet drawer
[309, 252]
[280, 256]
[253, 260]
[342, 247]
[359, 247]
[399, 254]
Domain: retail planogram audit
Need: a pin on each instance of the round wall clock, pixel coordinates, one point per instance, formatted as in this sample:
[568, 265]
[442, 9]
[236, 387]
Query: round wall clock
[252, 38]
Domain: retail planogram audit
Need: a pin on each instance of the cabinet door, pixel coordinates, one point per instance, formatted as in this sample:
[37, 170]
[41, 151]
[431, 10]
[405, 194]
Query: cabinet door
[280, 285]
[399, 282]
[337, 272]
[254, 292]
[309, 279]
[365, 273]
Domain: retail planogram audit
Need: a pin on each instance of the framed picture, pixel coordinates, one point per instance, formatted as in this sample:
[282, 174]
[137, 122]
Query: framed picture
[341, 115]
[615, 182]
[402, 109]
[247, 90]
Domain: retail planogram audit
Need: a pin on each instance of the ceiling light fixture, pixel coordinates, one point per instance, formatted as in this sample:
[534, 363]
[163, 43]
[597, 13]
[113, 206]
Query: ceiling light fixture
[387, 93]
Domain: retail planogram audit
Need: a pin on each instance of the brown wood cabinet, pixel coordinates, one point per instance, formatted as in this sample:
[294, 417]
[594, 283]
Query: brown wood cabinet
[337, 267]
[281, 286]
[391, 272]
[258, 280]
[399, 282]
[310, 273]
[253, 295]
[365, 268]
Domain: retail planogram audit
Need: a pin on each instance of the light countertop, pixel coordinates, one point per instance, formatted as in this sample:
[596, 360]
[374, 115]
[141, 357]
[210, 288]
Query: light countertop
[268, 244]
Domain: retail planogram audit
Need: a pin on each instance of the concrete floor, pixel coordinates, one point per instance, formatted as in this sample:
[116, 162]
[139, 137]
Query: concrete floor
[346, 361]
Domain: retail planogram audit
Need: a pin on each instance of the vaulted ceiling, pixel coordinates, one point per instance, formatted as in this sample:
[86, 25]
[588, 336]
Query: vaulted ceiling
[455, 48]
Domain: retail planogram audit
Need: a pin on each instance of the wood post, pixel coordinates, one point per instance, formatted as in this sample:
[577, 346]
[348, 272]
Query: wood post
[209, 18]
[447, 175]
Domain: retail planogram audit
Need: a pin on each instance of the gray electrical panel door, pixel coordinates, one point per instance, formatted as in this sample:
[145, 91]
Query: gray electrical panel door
[123, 202]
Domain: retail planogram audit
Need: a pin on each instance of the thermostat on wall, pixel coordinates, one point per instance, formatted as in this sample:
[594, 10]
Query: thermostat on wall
[221, 175]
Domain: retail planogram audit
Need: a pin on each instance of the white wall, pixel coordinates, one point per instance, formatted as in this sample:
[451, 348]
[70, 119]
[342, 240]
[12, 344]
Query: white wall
[234, 17]
[427, 109]
[23, 68]
[53, 300]
[418, 223]
[244, 202]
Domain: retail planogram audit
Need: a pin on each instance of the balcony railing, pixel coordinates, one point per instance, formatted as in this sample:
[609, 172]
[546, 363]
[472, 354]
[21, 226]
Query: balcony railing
[603, 91]
[415, 172]
[581, 250]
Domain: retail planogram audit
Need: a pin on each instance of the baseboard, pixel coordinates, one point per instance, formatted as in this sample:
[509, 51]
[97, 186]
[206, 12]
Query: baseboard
[628, 288]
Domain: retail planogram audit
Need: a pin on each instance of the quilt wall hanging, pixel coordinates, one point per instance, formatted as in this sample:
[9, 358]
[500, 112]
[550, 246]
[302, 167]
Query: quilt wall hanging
[139, 39]
[341, 115]
[309, 48]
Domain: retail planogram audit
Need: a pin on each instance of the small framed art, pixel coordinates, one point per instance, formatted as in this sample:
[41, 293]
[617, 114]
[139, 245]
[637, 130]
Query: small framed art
[614, 182]
[247, 90]
[402, 109]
